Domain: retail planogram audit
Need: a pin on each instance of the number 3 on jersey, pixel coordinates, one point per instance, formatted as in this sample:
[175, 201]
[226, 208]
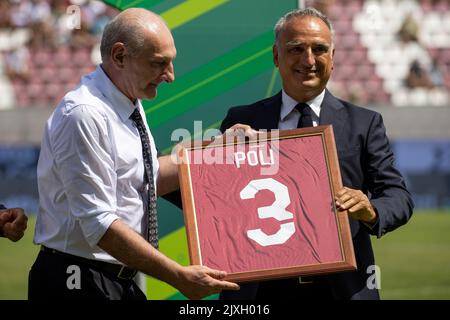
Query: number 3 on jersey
[277, 210]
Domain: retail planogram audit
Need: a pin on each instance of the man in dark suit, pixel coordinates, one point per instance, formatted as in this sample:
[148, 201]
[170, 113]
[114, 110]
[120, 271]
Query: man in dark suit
[13, 223]
[374, 194]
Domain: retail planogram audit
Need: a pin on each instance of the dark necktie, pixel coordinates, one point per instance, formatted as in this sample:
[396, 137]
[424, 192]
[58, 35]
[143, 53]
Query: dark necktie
[152, 226]
[305, 119]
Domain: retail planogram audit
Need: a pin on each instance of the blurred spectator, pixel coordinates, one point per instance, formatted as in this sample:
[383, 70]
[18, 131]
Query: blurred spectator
[65, 29]
[26, 13]
[43, 36]
[102, 20]
[357, 93]
[17, 63]
[48, 21]
[5, 15]
[409, 30]
[436, 75]
[63, 20]
[21, 13]
[91, 11]
[41, 11]
[82, 38]
[418, 77]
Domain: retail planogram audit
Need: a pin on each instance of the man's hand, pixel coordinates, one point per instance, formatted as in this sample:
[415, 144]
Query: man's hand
[357, 204]
[197, 282]
[241, 130]
[13, 223]
[131, 249]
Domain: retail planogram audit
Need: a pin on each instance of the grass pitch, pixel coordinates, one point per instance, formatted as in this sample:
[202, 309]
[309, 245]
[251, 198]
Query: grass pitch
[414, 260]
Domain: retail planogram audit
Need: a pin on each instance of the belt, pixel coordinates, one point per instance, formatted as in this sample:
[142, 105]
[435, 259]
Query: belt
[117, 270]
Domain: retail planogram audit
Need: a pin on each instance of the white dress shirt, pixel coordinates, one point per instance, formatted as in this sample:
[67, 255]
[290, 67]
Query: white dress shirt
[90, 170]
[289, 116]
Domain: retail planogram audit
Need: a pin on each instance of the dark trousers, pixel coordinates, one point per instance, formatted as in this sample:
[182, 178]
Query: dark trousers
[67, 277]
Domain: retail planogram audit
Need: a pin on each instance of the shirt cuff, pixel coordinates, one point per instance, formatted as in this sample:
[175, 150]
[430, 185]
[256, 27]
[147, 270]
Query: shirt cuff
[373, 226]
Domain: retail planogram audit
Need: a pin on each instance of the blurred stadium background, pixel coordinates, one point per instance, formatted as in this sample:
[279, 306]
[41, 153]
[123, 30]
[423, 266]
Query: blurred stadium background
[391, 56]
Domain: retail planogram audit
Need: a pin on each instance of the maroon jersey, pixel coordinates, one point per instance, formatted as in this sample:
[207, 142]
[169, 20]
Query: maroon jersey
[248, 221]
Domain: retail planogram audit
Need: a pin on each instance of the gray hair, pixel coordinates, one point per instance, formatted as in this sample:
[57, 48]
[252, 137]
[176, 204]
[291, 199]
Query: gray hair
[131, 32]
[307, 12]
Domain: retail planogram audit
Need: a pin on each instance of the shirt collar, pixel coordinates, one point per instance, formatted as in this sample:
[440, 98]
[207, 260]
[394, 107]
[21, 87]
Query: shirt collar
[288, 104]
[118, 101]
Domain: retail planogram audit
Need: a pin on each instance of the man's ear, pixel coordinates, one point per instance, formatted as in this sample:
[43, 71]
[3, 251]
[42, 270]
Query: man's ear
[275, 55]
[118, 52]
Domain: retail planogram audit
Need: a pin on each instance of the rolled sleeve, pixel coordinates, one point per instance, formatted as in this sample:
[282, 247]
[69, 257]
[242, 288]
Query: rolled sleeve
[95, 226]
[82, 150]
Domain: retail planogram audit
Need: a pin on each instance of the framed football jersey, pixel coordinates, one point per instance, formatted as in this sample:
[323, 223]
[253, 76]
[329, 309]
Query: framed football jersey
[264, 209]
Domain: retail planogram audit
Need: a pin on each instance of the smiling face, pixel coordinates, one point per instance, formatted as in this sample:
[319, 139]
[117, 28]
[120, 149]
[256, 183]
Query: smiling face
[303, 54]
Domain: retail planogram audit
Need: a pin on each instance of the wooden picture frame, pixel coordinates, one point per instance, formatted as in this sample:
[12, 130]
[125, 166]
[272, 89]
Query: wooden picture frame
[259, 225]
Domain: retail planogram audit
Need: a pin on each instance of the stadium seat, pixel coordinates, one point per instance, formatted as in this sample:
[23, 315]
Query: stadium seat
[42, 58]
[62, 57]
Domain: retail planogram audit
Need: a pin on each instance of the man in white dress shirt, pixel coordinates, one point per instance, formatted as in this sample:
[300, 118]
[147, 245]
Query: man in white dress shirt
[93, 194]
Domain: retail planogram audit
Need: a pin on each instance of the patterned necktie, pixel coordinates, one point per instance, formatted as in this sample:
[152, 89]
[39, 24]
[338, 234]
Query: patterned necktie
[152, 226]
[305, 119]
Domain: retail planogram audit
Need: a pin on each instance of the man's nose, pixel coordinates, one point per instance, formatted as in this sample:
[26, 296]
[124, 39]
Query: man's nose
[169, 74]
[308, 57]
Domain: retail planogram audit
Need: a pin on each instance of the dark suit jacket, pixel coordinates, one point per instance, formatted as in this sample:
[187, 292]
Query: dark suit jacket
[366, 163]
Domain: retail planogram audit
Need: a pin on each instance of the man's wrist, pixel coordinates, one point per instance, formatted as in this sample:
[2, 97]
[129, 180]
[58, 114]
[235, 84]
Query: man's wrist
[372, 223]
